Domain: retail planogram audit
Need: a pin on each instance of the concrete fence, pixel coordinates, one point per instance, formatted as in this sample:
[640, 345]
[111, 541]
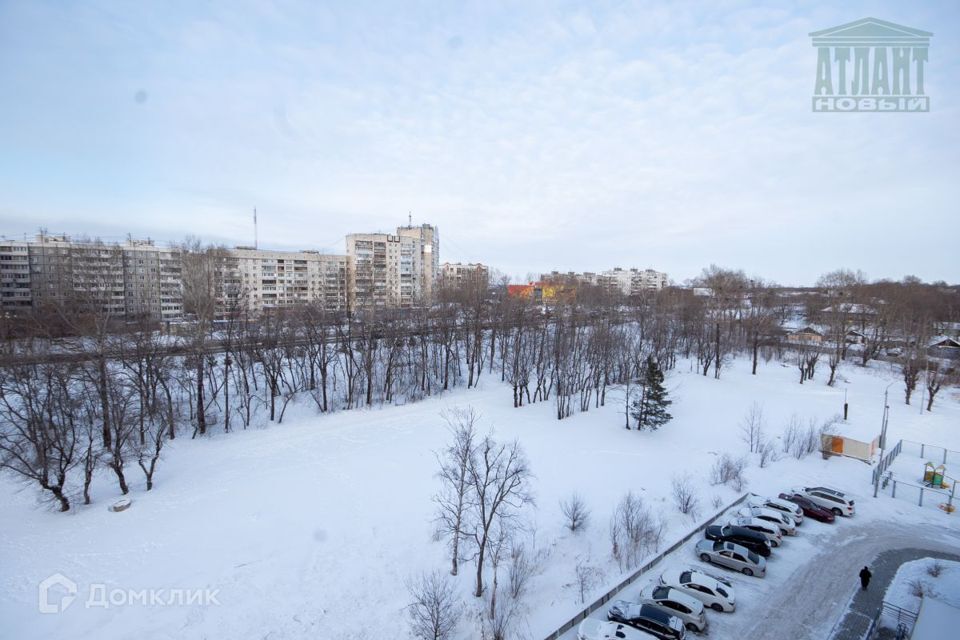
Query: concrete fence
[630, 579]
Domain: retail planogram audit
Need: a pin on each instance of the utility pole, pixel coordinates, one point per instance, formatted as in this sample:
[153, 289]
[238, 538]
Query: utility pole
[255, 243]
[883, 437]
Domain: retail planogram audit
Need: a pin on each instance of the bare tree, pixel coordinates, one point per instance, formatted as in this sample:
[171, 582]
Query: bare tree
[684, 496]
[453, 499]
[435, 610]
[587, 577]
[634, 531]
[38, 427]
[576, 515]
[936, 376]
[500, 478]
[752, 427]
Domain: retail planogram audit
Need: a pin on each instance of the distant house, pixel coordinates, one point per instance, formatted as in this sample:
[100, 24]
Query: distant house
[944, 347]
[805, 335]
[855, 337]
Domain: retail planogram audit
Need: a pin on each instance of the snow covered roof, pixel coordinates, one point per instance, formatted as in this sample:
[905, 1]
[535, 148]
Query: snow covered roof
[934, 618]
[944, 341]
[850, 307]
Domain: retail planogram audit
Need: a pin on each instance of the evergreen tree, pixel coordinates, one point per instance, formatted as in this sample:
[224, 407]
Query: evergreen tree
[649, 408]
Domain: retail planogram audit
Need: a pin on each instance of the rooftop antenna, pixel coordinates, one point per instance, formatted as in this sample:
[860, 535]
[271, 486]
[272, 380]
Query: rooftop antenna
[255, 239]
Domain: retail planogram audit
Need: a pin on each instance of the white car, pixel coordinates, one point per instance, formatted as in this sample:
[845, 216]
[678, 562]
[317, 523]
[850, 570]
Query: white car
[830, 499]
[677, 603]
[593, 629]
[697, 584]
[768, 530]
[784, 522]
[785, 506]
[731, 556]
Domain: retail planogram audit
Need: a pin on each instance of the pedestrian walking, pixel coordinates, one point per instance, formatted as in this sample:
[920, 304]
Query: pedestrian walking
[865, 576]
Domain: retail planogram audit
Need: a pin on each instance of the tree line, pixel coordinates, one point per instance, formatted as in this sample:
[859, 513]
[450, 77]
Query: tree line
[129, 386]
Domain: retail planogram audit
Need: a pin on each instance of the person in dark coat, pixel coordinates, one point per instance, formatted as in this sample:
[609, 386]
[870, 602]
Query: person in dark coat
[865, 576]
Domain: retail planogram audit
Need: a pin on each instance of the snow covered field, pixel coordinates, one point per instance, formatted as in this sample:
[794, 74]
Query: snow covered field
[312, 527]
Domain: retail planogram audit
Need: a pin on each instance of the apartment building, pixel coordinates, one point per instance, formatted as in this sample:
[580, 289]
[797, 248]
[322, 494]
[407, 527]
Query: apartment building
[15, 294]
[455, 275]
[625, 281]
[259, 280]
[384, 270]
[428, 238]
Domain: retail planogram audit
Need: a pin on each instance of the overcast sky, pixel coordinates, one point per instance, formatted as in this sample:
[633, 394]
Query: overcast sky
[537, 136]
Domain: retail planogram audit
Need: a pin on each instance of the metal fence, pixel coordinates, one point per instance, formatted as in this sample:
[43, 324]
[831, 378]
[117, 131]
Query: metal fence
[931, 452]
[893, 617]
[605, 598]
[924, 495]
[886, 461]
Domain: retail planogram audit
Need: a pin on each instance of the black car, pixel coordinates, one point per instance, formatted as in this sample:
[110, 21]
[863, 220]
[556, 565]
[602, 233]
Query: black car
[752, 540]
[647, 617]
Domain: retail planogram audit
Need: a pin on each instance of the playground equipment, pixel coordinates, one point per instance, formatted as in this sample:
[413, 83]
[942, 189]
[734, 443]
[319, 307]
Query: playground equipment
[934, 476]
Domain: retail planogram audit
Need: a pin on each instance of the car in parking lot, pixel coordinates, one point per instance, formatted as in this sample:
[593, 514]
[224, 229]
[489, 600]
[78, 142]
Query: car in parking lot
[778, 504]
[677, 603]
[744, 537]
[768, 530]
[593, 629]
[702, 586]
[833, 499]
[783, 521]
[810, 508]
[731, 556]
[647, 617]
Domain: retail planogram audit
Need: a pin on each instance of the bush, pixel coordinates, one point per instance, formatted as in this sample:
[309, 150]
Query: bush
[917, 587]
[728, 470]
[575, 512]
[935, 569]
[634, 531]
[435, 611]
[683, 495]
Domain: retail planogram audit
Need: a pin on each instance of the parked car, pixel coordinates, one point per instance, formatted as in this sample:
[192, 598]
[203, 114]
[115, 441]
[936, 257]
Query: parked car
[768, 530]
[779, 504]
[783, 521]
[744, 537]
[705, 588]
[732, 556]
[647, 617]
[834, 500]
[677, 603]
[593, 629]
[810, 508]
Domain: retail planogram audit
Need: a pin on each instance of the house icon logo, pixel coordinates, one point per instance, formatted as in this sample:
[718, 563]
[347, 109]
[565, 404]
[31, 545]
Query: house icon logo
[56, 593]
[871, 65]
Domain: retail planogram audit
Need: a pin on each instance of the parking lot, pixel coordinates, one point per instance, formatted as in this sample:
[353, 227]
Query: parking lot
[787, 574]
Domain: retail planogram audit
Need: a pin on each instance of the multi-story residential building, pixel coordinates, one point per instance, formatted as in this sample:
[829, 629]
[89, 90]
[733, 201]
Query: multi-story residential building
[384, 270]
[15, 294]
[455, 275]
[387, 270]
[259, 279]
[140, 279]
[134, 279]
[625, 281]
[428, 238]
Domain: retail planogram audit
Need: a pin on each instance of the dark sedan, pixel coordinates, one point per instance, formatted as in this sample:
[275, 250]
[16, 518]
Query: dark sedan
[647, 617]
[810, 508]
[752, 540]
